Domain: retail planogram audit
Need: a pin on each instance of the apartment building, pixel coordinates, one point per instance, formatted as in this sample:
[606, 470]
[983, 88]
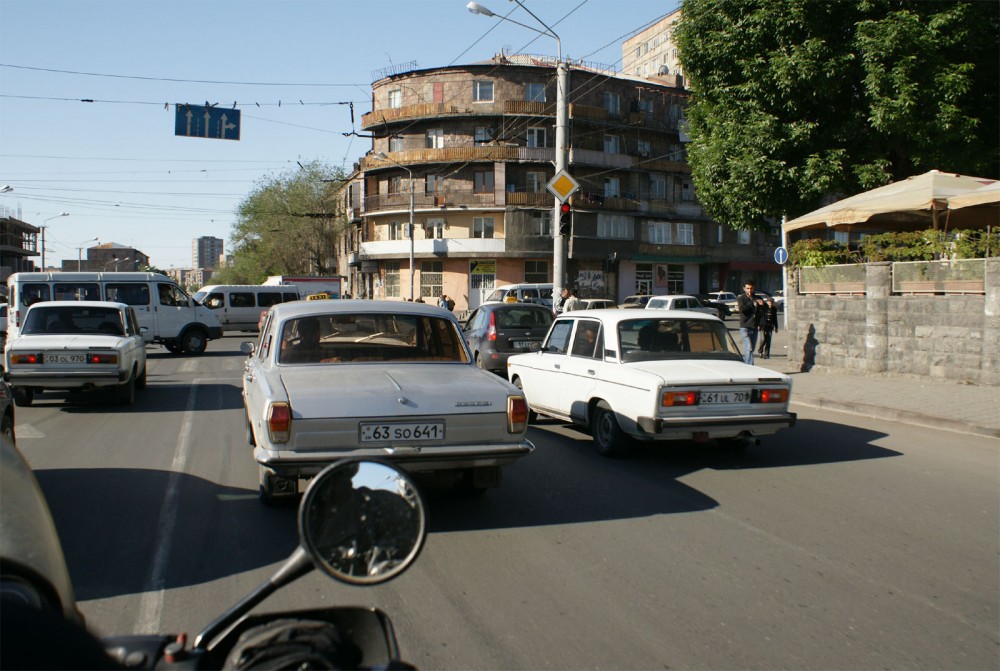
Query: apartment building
[206, 251]
[653, 52]
[467, 151]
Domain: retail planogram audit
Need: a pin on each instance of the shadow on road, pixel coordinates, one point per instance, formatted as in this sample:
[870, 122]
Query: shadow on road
[158, 397]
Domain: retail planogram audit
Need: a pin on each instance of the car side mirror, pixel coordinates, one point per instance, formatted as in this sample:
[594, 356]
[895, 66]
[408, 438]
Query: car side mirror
[534, 346]
[246, 348]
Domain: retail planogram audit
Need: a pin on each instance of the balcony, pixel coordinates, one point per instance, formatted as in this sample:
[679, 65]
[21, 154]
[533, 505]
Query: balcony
[389, 115]
[473, 154]
[440, 199]
[459, 247]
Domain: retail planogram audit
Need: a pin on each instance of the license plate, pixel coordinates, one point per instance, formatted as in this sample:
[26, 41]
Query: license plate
[521, 344]
[722, 397]
[65, 357]
[397, 431]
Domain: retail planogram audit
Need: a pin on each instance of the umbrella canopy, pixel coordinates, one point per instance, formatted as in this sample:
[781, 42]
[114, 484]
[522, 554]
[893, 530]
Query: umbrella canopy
[909, 204]
[976, 209]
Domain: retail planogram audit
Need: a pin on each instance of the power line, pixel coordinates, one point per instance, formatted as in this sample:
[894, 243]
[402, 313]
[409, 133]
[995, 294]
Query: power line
[168, 79]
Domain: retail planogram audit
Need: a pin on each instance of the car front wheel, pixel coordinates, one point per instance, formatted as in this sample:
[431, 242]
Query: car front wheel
[609, 439]
[194, 342]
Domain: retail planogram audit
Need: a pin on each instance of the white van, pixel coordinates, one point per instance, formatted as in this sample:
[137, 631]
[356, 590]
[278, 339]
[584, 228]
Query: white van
[539, 293]
[169, 315]
[238, 306]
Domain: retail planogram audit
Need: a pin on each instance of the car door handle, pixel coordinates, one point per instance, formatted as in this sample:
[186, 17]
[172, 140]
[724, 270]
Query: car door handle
[557, 366]
[590, 371]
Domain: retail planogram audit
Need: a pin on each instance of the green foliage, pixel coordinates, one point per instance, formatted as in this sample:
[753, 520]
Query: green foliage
[819, 252]
[287, 225]
[925, 245]
[796, 100]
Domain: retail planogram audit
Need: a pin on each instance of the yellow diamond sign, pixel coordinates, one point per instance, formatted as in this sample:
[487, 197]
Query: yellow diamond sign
[562, 185]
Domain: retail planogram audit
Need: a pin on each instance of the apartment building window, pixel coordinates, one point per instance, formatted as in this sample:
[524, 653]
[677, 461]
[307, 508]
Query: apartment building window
[395, 99]
[611, 144]
[720, 233]
[535, 182]
[395, 185]
[743, 237]
[484, 135]
[660, 233]
[687, 191]
[536, 271]
[435, 138]
[391, 278]
[431, 279]
[536, 137]
[395, 143]
[541, 224]
[482, 181]
[433, 184]
[643, 147]
[482, 91]
[397, 230]
[612, 187]
[612, 103]
[482, 227]
[435, 227]
[685, 234]
[645, 106]
[615, 226]
[658, 186]
[534, 92]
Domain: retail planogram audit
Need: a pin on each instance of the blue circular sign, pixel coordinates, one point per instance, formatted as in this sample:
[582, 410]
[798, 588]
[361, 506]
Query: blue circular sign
[780, 255]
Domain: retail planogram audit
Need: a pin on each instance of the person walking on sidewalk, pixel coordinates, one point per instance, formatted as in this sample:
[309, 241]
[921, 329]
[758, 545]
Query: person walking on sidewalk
[768, 324]
[749, 307]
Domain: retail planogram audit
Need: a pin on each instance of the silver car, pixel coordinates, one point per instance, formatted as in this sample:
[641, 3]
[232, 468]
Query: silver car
[375, 379]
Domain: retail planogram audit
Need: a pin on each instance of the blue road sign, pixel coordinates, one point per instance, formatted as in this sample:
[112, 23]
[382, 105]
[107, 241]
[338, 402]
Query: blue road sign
[217, 123]
[780, 255]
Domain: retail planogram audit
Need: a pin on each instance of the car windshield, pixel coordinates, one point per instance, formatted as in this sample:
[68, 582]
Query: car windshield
[663, 339]
[367, 337]
[523, 317]
[73, 320]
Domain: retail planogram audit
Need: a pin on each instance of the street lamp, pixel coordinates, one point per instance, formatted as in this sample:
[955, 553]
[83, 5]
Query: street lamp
[384, 157]
[562, 118]
[79, 254]
[115, 260]
[61, 214]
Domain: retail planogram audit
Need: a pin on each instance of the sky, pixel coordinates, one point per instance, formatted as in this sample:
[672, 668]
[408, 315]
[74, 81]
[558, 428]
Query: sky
[292, 67]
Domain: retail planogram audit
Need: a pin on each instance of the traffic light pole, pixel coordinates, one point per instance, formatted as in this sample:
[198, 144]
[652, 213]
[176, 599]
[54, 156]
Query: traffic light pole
[562, 118]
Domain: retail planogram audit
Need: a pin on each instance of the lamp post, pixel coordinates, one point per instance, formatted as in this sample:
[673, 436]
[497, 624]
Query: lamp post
[562, 118]
[383, 156]
[79, 253]
[115, 260]
[61, 214]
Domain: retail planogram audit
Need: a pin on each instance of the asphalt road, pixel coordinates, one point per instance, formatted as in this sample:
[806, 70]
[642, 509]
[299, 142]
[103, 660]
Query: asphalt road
[842, 543]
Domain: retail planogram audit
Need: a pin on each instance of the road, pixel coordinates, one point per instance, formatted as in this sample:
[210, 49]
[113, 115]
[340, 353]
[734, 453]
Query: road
[842, 543]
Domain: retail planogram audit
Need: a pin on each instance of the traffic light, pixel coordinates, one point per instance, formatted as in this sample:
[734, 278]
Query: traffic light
[565, 218]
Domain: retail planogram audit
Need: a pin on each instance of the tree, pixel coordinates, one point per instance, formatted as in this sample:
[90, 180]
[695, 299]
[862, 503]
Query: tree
[798, 100]
[287, 225]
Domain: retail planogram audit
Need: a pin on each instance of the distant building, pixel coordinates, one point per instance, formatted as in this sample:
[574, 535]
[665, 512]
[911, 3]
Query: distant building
[18, 242]
[108, 257]
[205, 252]
[653, 52]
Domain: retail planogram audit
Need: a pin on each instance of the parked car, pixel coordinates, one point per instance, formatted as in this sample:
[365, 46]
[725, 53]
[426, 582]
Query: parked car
[77, 345]
[779, 299]
[635, 301]
[708, 302]
[597, 304]
[494, 331]
[7, 413]
[654, 375]
[679, 302]
[727, 297]
[531, 292]
[388, 380]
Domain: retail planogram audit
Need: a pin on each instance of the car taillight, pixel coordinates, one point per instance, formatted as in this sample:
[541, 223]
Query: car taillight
[102, 358]
[491, 332]
[671, 399]
[771, 396]
[517, 414]
[279, 422]
[30, 358]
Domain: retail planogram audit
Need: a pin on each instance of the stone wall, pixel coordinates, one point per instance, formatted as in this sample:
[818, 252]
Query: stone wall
[947, 337]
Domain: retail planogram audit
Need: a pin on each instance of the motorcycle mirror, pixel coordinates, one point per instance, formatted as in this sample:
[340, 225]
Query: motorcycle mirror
[362, 522]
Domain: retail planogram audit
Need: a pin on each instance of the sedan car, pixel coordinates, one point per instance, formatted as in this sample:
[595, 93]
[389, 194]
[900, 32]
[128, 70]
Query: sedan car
[494, 331]
[679, 302]
[654, 375]
[638, 301]
[77, 346]
[597, 304]
[389, 380]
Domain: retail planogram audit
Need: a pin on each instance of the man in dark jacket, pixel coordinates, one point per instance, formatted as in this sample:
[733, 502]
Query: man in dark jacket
[749, 307]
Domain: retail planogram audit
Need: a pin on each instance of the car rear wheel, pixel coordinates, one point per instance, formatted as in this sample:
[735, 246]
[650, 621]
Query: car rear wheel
[7, 427]
[532, 415]
[141, 382]
[250, 438]
[23, 396]
[126, 392]
[479, 362]
[609, 439]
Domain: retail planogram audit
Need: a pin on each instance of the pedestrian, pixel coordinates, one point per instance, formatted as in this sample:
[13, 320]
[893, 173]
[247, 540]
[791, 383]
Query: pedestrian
[768, 324]
[749, 306]
[443, 301]
[561, 300]
[571, 303]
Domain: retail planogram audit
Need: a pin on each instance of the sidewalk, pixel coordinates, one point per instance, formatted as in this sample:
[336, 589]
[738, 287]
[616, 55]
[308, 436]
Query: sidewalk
[935, 404]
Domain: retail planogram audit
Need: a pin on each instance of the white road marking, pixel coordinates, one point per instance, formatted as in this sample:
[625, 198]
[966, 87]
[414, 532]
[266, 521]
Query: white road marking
[27, 431]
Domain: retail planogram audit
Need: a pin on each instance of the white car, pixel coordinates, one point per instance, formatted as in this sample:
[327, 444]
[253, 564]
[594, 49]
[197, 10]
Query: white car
[597, 304]
[375, 379]
[679, 302]
[77, 345]
[651, 375]
[727, 297]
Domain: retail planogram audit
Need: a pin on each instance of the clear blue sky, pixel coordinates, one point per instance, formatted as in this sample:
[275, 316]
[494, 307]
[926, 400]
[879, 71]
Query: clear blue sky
[115, 165]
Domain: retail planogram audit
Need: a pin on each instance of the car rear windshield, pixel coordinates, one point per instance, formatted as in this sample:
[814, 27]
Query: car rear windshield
[523, 317]
[66, 320]
[365, 337]
[661, 339]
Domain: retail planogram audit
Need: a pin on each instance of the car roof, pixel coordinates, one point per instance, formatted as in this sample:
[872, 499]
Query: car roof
[294, 309]
[79, 304]
[611, 318]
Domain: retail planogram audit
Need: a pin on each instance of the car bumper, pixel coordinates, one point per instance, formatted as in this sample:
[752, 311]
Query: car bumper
[685, 428]
[66, 379]
[214, 332]
[416, 459]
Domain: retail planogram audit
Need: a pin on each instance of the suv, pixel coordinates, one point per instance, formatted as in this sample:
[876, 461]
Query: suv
[727, 297]
[497, 330]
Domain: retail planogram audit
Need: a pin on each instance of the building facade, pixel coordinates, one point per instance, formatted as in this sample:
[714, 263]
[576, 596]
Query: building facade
[466, 153]
[206, 251]
[653, 52]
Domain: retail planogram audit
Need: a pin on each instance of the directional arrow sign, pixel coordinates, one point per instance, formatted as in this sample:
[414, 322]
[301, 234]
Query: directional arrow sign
[217, 123]
[780, 255]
